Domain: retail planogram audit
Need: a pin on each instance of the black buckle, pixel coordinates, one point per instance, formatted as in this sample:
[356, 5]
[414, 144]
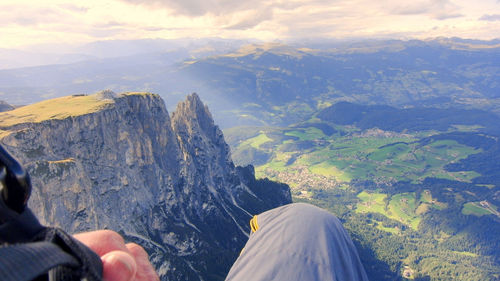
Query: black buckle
[15, 186]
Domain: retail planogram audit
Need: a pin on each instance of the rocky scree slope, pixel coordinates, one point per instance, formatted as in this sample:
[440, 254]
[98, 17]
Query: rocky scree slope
[120, 162]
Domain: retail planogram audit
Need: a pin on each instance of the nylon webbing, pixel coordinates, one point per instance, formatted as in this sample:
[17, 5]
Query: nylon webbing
[24, 262]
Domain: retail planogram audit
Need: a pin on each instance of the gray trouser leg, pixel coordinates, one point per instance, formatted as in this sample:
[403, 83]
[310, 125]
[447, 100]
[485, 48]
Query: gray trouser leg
[297, 242]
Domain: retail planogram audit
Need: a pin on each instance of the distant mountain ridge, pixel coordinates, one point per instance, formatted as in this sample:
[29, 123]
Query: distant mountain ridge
[413, 119]
[121, 162]
[279, 84]
[5, 106]
[51, 54]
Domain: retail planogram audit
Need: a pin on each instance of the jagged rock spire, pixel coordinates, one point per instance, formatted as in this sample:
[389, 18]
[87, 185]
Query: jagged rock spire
[194, 111]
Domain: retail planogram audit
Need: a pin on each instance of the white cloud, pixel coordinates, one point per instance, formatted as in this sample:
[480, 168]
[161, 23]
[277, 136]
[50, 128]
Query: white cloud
[73, 8]
[200, 7]
[437, 9]
[27, 22]
[27, 15]
[250, 19]
[495, 17]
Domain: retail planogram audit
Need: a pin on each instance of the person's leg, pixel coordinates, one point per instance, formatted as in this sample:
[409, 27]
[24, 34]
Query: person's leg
[297, 242]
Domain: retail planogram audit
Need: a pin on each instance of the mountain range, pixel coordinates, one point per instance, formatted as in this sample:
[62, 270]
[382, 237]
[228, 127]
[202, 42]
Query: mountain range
[278, 84]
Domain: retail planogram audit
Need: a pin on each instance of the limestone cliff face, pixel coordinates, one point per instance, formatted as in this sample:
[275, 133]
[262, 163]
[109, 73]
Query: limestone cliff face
[166, 183]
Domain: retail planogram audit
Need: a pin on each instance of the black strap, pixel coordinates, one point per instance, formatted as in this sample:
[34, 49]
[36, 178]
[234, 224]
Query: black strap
[21, 228]
[28, 250]
[24, 262]
[90, 264]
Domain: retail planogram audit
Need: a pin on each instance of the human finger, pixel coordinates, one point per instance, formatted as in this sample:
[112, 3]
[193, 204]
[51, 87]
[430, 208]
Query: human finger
[102, 241]
[118, 266]
[145, 270]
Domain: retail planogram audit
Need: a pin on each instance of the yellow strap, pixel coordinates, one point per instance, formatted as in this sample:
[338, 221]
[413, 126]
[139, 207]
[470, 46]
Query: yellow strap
[253, 224]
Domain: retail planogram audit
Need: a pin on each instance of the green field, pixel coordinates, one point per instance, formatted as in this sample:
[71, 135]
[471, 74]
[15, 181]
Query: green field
[391, 230]
[257, 141]
[372, 203]
[477, 209]
[401, 207]
[427, 201]
[277, 164]
[306, 134]
[328, 170]
[383, 159]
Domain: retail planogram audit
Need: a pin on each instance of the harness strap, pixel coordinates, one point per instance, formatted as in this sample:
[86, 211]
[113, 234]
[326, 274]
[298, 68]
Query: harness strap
[24, 262]
[28, 250]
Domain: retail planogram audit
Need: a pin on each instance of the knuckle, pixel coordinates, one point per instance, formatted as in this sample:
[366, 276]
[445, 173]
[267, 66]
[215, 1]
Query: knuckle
[112, 238]
[136, 249]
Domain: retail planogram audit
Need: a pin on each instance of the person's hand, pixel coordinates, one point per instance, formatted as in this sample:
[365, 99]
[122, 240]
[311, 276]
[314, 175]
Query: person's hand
[120, 261]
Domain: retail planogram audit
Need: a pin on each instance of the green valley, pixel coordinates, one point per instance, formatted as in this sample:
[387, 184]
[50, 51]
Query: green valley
[377, 155]
[407, 196]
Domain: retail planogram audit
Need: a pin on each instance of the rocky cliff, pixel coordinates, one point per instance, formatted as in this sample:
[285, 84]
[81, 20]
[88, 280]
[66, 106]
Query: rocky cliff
[121, 162]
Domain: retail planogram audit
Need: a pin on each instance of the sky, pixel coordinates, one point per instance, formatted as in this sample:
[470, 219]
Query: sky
[25, 23]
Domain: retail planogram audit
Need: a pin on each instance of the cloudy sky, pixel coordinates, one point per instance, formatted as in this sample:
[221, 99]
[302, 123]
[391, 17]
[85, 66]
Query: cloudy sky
[28, 22]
